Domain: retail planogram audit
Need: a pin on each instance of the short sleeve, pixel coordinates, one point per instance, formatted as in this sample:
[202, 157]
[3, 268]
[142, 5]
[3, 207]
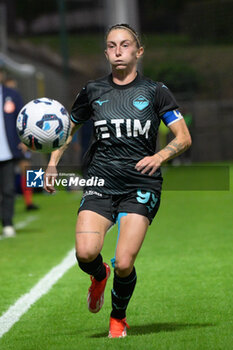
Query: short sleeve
[81, 110]
[164, 100]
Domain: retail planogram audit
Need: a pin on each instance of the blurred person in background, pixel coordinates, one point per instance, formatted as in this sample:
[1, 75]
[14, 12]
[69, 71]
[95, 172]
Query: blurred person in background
[24, 162]
[11, 149]
[127, 109]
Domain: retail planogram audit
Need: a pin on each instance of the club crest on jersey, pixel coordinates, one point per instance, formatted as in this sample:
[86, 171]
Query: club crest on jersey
[140, 103]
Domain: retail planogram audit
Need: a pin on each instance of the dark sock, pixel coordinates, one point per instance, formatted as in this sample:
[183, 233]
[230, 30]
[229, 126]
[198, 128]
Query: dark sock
[95, 268]
[121, 293]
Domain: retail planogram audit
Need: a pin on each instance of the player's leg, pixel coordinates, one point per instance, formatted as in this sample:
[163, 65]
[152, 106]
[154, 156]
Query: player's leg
[133, 228]
[94, 219]
[8, 197]
[27, 192]
[90, 231]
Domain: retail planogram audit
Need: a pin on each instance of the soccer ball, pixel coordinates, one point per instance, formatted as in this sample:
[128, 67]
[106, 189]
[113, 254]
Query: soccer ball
[43, 125]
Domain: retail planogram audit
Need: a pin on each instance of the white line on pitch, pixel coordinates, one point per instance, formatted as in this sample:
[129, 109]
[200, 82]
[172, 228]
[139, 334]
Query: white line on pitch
[27, 221]
[21, 306]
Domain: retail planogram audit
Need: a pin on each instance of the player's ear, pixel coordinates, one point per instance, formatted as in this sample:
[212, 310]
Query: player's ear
[106, 54]
[140, 52]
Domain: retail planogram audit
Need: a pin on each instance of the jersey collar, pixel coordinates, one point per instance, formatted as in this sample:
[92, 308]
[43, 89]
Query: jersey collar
[126, 86]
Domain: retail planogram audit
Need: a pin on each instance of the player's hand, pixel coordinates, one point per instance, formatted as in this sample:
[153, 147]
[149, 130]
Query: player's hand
[49, 179]
[149, 163]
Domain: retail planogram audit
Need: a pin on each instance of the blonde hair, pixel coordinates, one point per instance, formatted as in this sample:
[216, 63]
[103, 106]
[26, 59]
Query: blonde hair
[126, 27]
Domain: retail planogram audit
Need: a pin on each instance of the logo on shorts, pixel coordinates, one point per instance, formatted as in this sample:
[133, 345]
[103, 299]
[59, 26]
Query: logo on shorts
[91, 193]
[140, 103]
[35, 178]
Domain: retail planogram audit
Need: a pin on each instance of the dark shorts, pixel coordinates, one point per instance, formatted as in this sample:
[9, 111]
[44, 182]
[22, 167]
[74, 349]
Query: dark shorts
[139, 202]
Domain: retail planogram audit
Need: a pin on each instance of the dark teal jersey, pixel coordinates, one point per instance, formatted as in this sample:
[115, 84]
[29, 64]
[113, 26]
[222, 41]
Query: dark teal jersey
[126, 120]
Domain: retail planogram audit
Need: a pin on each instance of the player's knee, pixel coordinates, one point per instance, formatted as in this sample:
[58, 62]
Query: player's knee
[124, 266]
[86, 250]
[85, 254]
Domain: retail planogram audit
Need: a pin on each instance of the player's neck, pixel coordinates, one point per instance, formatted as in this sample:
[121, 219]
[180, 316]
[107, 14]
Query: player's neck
[123, 77]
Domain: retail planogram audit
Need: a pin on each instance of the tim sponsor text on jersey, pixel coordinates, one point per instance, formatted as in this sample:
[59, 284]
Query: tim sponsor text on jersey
[133, 127]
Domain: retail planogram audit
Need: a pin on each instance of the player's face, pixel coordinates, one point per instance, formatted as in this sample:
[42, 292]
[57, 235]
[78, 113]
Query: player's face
[122, 50]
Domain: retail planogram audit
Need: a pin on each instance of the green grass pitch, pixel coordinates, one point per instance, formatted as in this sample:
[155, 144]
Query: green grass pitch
[183, 298]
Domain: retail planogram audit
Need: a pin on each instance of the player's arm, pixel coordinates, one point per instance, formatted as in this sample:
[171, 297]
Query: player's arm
[56, 155]
[178, 145]
[80, 112]
[51, 171]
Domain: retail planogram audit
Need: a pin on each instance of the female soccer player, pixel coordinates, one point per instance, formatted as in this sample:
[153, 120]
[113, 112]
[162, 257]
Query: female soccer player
[126, 109]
